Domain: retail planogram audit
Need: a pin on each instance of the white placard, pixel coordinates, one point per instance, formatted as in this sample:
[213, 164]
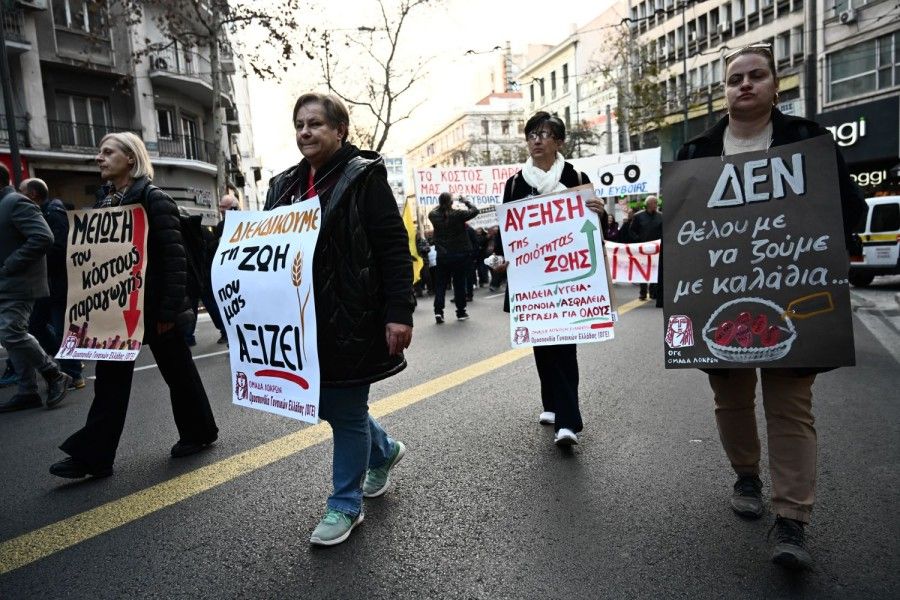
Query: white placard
[624, 174]
[482, 186]
[262, 281]
[558, 285]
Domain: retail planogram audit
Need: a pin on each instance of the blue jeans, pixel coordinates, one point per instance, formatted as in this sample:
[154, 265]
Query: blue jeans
[359, 444]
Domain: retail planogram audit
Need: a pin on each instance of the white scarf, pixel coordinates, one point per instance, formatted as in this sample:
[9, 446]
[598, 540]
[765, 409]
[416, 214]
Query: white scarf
[544, 181]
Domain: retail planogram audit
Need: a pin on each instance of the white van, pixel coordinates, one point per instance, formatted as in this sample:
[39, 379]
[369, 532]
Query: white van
[880, 235]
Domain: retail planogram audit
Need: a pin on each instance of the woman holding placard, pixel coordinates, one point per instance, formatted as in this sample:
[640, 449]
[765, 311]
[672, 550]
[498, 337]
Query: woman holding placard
[363, 297]
[544, 172]
[754, 123]
[126, 171]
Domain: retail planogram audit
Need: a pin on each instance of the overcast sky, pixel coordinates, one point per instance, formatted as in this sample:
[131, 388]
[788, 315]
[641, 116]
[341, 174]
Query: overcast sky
[446, 32]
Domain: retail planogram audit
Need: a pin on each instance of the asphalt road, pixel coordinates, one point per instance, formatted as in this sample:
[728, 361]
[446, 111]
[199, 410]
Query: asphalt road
[483, 505]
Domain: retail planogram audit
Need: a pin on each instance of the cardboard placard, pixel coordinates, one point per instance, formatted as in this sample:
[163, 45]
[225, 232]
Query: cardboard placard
[106, 269]
[756, 266]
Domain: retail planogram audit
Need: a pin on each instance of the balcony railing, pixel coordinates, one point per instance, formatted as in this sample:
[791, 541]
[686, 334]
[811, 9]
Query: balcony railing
[185, 146]
[21, 131]
[70, 135]
[180, 62]
[13, 22]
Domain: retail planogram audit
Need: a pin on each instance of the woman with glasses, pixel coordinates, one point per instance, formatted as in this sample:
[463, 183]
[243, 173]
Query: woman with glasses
[754, 123]
[546, 171]
[127, 172]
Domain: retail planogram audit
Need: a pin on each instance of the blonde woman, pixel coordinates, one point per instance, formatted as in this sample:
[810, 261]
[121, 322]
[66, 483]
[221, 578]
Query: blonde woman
[126, 171]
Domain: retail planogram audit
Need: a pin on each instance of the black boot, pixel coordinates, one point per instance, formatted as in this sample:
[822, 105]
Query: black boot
[790, 547]
[57, 385]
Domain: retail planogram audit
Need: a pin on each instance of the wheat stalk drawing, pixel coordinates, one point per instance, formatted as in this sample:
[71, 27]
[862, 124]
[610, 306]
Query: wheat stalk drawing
[297, 280]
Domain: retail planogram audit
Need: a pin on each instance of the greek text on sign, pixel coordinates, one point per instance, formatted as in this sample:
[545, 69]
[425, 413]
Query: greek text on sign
[106, 267]
[756, 270]
[558, 284]
[262, 281]
[483, 186]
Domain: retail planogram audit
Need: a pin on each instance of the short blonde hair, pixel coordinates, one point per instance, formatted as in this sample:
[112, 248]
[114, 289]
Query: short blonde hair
[134, 147]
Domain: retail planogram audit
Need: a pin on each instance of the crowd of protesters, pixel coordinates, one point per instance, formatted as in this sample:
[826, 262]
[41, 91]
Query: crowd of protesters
[354, 182]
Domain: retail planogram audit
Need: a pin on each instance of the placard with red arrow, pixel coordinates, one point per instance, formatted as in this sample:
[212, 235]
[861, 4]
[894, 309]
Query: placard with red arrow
[107, 263]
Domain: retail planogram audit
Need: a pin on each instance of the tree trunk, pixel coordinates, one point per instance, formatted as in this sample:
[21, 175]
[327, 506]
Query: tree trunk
[216, 73]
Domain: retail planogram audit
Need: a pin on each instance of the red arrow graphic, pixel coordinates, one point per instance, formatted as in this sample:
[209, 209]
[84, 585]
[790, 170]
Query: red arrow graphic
[132, 315]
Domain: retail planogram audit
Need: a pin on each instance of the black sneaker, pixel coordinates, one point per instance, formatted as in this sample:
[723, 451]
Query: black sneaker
[438, 318]
[746, 500]
[462, 315]
[21, 402]
[790, 549]
[72, 468]
[57, 388]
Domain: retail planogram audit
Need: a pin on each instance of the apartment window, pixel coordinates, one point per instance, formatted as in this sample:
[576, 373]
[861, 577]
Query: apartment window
[797, 40]
[783, 46]
[88, 16]
[504, 127]
[485, 127]
[704, 75]
[531, 90]
[568, 117]
[842, 5]
[565, 78]
[541, 83]
[83, 120]
[166, 123]
[190, 141]
[867, 67]
[716, 74]
[521, 127]
[553, 84]
[738, 9]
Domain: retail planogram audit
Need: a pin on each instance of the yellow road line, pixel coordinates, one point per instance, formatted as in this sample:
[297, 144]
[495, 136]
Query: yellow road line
[40, 543]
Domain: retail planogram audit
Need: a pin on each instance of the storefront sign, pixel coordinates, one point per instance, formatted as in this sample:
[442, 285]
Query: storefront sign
[866, 132]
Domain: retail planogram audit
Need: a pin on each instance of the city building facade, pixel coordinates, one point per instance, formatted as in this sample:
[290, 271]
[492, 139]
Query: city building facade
[490, 132]
[74, 79]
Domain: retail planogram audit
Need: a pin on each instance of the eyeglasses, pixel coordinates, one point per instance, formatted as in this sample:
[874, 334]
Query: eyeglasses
[539, 135]
[765, 47]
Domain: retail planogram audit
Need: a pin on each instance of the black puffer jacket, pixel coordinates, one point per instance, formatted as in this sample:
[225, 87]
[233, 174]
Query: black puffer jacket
[362, 269]
[165, 286]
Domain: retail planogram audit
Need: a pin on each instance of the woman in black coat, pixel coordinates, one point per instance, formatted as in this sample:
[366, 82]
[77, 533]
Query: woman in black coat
[362, 277]
[545, 172]
[125, 167]
[753, 123]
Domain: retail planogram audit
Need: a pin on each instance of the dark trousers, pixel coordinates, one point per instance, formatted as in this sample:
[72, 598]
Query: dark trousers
[653, 290]
[212, 309]
[95, 444]
[46, 325]
[557, 368]
[451, 267]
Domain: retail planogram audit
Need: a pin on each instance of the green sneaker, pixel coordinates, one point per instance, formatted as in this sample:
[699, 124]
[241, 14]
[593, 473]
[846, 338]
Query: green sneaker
[334, 528]
[378, 479]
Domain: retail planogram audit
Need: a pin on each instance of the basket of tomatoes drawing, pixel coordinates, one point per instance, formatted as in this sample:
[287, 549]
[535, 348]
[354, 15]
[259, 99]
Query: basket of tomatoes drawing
[748, 330]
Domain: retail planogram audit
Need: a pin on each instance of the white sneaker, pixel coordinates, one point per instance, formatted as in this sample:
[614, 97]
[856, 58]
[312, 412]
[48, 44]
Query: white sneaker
[547, 418]
[565, 437]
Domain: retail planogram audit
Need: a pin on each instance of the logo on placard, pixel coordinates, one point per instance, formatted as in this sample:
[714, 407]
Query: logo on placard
[679, 332]
[521, 335]
[71, 342]
[241, 389]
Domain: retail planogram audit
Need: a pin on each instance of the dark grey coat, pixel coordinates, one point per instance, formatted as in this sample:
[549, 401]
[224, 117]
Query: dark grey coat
[25, 239]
